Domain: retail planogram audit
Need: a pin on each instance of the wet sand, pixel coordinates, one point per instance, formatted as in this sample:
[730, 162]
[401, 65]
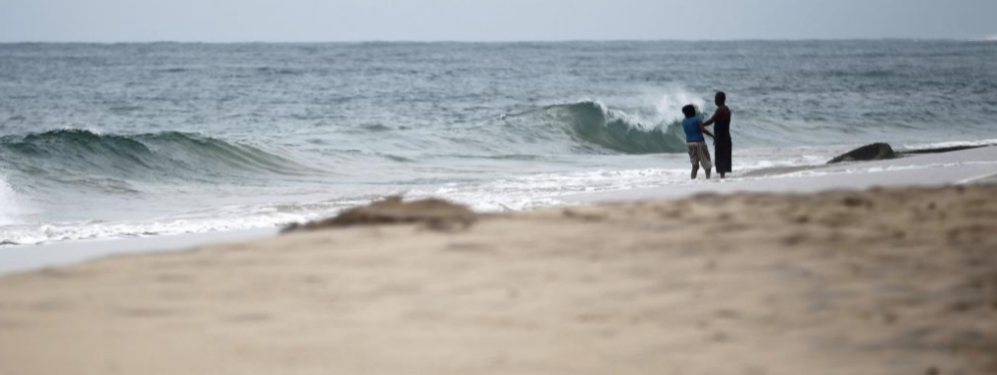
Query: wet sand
[882, 281]
[937, 169]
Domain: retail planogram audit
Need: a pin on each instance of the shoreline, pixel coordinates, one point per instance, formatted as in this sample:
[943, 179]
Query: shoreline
[940, 150]
[900, 153]
[977, 165]
[27, 258]
[909, 171]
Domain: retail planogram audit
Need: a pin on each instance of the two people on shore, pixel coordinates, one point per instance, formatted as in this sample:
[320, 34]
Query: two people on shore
[695, 128]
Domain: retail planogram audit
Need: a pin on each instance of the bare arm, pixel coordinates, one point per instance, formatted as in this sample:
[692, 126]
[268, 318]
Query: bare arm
[702, 127]
[712, 118]
[721, 114]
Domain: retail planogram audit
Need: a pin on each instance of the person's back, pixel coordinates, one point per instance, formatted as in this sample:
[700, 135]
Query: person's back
[699, 154]
[722, 122]
[692, 131]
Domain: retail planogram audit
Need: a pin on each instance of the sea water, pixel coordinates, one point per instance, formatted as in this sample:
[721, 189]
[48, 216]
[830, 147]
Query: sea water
[127, 140]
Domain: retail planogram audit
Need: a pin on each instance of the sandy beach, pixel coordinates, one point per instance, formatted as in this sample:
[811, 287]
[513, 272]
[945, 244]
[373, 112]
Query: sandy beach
[895, 280]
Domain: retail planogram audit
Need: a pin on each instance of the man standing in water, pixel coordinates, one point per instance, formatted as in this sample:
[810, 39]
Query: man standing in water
[722, 143]
[699, 154]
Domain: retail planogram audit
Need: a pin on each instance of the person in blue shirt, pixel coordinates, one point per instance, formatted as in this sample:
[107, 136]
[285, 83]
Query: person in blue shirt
[699, 154]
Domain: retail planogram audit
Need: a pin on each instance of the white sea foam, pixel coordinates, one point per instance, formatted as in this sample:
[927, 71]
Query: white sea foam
[215, 220]
[8, 202]
[542, 190]
[669, 103]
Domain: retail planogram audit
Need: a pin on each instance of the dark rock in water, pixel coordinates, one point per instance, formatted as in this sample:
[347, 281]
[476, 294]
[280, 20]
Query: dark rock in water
[875, 151]
[436, 213]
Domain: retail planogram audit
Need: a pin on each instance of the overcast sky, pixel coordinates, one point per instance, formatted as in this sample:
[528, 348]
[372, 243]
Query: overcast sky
[490, 20]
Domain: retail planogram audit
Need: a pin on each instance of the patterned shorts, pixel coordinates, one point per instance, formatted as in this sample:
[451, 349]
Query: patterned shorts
[700, 154]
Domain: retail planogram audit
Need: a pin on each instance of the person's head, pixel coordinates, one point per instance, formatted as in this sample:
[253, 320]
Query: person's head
[689, 111]
[720, 99]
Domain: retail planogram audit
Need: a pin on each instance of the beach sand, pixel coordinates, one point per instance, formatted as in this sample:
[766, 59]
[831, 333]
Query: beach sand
[881, 281]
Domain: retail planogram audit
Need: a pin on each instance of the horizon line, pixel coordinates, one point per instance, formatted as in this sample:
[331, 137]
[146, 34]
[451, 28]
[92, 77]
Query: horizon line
[510, 41]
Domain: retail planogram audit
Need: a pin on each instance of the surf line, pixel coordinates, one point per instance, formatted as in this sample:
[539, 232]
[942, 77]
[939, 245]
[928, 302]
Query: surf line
[977, 178]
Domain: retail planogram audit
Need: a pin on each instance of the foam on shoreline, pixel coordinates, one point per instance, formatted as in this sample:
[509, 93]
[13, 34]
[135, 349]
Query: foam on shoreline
[937, 169]
[959, 167]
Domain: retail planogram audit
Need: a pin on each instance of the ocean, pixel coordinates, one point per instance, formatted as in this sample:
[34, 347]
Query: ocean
[130, 140]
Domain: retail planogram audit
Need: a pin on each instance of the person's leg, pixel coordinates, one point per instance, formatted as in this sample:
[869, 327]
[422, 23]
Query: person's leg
[722, 175]
[694, 159]
[704, 159]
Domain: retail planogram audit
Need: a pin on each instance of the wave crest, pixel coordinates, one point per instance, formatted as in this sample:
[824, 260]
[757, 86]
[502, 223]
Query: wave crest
[163, 155]
[592, 123]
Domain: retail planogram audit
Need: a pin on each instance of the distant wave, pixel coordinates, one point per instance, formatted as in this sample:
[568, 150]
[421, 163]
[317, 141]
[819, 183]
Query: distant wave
[592, 123]
[109, 160]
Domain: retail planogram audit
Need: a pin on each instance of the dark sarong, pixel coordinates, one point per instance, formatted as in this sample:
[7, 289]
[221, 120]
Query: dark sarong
[723, 147]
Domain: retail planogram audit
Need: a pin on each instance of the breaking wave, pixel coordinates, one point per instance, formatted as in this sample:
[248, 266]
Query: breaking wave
[109, 159]
[591, 123]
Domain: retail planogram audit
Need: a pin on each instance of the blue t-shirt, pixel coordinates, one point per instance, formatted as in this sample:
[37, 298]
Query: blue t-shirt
[692, 132]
